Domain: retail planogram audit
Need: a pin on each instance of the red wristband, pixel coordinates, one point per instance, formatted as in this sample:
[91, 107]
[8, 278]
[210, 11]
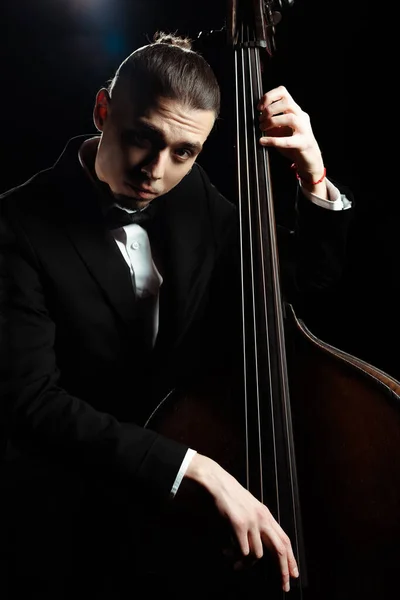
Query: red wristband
[294, 166]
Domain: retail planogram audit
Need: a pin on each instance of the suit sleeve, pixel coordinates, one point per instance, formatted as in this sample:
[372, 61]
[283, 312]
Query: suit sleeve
[313, 254]
[55, 421]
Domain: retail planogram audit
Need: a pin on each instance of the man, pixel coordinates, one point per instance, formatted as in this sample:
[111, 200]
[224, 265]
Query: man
[106, 314]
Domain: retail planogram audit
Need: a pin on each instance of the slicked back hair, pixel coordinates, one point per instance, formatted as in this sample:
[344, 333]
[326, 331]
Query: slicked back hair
[167, 68]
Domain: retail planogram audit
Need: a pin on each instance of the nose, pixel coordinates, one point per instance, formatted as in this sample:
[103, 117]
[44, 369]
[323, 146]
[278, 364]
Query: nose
[154, 168]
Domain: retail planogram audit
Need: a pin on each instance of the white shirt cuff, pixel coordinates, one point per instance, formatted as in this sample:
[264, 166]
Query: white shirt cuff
[336, 201]
[185, 463]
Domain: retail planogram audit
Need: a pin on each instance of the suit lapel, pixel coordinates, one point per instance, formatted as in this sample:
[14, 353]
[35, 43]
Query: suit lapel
[84, 224]
[104, 261]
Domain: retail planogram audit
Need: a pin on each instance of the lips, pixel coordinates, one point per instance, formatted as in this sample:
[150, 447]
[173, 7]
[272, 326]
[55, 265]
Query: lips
[142, 190]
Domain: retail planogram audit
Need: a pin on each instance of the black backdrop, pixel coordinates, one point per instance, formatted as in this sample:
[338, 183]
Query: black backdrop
[55, 54]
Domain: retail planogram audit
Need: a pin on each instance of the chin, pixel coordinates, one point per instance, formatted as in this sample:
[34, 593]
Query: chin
[142, 203]
[126, 201]
[130, 201]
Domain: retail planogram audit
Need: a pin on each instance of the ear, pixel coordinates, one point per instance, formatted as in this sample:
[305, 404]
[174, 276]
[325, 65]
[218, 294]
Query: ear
[101, 108]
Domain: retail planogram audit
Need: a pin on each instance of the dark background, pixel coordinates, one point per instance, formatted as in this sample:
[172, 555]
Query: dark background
[334, 59]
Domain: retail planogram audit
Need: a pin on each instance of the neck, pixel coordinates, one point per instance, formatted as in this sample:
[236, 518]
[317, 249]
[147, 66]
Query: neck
[87, 158]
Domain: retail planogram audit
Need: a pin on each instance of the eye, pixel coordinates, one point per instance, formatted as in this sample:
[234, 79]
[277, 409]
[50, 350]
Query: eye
[184, 153]
[135, 138]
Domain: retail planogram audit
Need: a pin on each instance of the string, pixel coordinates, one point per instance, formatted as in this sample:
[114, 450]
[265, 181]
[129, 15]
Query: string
[266, 388]
[240, 201]
[279, 316]
[244, 59]
[257, 151]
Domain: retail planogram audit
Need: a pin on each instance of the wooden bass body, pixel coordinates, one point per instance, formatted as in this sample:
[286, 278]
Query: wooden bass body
[346, 424]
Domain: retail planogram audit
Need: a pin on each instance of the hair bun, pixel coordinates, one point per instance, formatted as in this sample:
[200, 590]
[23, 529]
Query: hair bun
[173, 40]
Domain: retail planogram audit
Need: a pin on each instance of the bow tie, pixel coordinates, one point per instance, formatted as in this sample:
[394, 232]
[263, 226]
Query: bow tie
[117, 217]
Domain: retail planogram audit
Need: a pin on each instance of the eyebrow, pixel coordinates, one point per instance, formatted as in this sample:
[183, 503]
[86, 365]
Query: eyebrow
[156, 134]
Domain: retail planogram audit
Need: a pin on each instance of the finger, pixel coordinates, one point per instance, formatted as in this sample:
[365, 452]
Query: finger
[274, 95]
[274, 132]
[293, 568]
[291, 560]
[286, 120]
[279, 548]
[285, 143]
[256, 545]
[292, 563]
[279, 107]
[242, 539]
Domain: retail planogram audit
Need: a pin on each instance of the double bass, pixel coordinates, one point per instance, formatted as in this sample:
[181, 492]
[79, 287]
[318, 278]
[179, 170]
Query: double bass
[316, 431]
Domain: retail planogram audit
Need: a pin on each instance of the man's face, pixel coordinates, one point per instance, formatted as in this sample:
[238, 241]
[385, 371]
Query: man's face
[144, 156]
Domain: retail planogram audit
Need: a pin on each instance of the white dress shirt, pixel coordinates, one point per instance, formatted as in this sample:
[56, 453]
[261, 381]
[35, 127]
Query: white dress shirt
[134, 244]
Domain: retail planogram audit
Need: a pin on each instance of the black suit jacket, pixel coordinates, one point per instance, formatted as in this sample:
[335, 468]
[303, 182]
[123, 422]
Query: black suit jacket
[82, 384]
